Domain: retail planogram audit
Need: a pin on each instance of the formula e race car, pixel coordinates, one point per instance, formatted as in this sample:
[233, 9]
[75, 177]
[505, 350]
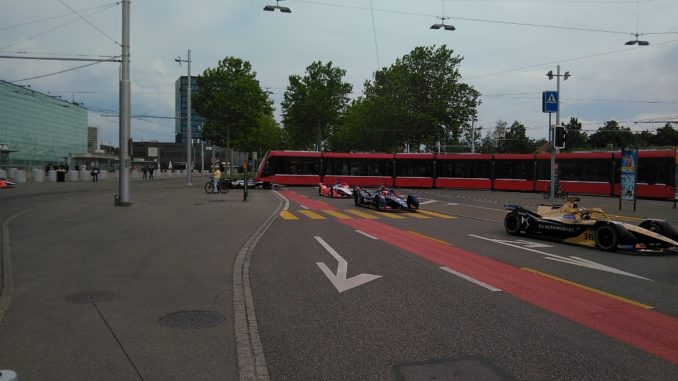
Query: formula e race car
[591, 227]
[339, 190]
[384, 199]
[4, 183]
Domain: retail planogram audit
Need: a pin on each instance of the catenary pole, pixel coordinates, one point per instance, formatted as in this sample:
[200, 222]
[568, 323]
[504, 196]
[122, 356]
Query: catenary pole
[124, 121]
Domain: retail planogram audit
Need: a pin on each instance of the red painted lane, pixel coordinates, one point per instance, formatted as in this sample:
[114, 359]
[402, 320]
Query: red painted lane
[307, 202]
[647, 330]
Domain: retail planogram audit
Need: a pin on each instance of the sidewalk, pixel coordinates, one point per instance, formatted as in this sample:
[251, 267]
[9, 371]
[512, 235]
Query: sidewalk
[109, 293]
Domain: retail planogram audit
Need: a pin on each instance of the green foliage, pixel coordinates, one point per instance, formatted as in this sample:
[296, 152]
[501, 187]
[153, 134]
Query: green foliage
[232, 102]
[314, 105]
[576, 138]
[417, 100]
[612, 136]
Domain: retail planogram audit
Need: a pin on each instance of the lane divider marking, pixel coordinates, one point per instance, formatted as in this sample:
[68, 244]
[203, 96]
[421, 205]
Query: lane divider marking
[366, 235]
[312, 215]
[338, 215]
[621, 299]
[472, 280]
[431, 238]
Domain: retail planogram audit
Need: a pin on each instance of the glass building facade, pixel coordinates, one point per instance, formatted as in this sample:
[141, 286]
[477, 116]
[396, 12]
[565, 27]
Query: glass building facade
[181, 103]
[39, 128]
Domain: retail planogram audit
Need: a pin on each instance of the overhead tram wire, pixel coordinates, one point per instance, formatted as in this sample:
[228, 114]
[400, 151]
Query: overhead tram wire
[581, 29]
[109, 5]
[51, 29]
[89, 23]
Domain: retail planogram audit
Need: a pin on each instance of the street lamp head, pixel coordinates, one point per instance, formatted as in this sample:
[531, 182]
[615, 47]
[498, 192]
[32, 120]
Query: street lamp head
[550, 74]
[272, 8]
[442, 25]
[643, 43]
[566, 76]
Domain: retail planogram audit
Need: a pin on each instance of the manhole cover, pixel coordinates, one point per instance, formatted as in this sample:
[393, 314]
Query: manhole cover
[92, 297]
[192, 319]
[465, 369]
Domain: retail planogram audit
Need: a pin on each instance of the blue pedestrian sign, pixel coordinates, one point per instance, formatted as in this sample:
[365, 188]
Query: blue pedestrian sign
[549, 101]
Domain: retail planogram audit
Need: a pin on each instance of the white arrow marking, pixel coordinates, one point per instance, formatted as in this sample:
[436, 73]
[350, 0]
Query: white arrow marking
[339, 280]
[452, 203]
[577, 261]
[427, 202]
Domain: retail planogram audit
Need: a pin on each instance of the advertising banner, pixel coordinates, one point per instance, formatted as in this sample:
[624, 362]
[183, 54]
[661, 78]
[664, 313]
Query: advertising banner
[629, 169]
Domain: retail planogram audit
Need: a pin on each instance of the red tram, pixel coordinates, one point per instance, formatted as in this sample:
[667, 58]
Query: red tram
[580, 172]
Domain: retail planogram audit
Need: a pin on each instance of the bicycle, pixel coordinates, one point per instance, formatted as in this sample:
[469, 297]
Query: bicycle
[558, 194]
[223, 186]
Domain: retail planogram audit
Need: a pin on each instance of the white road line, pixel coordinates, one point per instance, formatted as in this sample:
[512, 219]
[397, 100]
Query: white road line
[427, 202]
[287, 202]
[303, 206]
[365, 234]
[472, 280]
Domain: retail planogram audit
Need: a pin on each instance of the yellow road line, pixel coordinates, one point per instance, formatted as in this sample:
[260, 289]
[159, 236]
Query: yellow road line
[312, 215]
[364, 215]
[436, 214]
[431, 238]
[621, 299]
[288, 216]
[338, 215]
[390, 215]
[417, 215]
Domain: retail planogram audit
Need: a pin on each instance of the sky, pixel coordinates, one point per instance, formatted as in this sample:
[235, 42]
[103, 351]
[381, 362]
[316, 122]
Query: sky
[507, 47]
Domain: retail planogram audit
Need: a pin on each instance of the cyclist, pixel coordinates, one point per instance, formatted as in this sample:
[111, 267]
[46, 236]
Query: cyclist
[216, 176]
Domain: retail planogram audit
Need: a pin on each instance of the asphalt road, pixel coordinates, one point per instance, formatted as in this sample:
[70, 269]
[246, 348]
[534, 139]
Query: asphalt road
[418, 321]
[337, 292]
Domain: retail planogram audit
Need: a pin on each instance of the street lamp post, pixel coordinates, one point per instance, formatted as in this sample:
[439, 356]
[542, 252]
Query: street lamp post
[189, 132]
[552, 129]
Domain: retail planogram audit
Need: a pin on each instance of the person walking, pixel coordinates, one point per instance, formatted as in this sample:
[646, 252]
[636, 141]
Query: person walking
[144, 169]
[150, 171]
[216, 176]
[95, 174]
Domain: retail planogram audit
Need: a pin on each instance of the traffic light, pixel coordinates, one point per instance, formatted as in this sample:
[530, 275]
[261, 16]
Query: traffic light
[561, 136]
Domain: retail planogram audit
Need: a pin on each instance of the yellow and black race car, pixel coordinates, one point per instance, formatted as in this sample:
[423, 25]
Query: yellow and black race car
[590, 227]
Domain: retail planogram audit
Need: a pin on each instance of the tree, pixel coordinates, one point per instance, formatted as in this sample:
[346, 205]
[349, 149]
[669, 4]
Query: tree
[515, 140]
[420, 99]
[611, 135]
[666, 136]
[576, 138]
[314, 104]
[232, 102]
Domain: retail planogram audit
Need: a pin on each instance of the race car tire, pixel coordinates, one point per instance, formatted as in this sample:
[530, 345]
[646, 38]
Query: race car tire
[376, 203]
[412, 202]
[660, 227]
[512, 223]
[607, 237]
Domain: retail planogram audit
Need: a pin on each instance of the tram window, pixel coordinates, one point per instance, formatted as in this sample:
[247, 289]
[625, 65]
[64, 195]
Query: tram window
[361, 167]
[292, 166]
[544, 170]
[464, 169]
[514, 169]
[414, 168]
[585, 170]
[656, 170]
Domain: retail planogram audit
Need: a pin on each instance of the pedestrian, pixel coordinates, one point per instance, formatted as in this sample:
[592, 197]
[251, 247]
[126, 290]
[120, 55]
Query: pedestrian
[150, 171]
[216, 176]
[144, 169]
[95, 174]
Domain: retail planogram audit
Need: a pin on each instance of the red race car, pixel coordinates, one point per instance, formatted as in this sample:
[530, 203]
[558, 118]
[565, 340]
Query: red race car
[6, 184]
[338, 190]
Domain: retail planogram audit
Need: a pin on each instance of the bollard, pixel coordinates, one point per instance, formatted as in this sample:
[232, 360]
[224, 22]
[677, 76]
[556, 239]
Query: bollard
[8, 375]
